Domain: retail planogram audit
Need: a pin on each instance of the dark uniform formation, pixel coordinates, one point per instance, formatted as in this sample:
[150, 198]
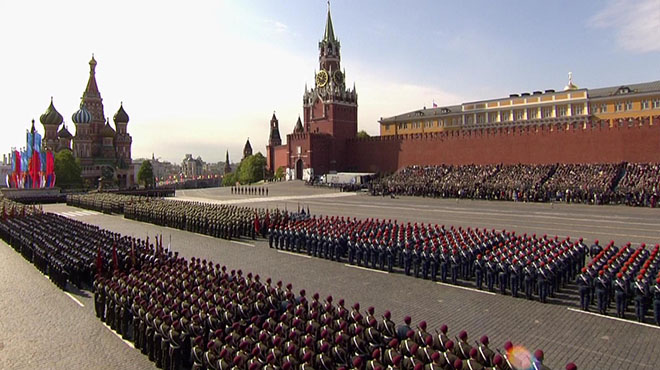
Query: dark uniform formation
[199, 315]
[66, 250]
[250, 190]
[625, 183]
[103, 202]
[220, 221]
[623, 276]
[498, 261]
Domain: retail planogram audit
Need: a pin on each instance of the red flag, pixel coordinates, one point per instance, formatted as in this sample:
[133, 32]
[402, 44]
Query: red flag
[256, 222]
[99, 262]
[115, 260]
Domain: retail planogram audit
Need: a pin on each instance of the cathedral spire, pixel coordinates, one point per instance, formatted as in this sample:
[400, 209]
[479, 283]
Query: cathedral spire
[329, 34]
[92, 89]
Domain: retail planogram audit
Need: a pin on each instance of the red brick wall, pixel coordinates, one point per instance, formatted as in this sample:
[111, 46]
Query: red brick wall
[634, 143]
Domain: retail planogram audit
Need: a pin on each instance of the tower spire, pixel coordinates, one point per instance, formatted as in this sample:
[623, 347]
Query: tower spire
[329, 34]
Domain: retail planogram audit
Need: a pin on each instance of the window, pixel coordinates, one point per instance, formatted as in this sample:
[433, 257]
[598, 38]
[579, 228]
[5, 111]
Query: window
[481, 118]
[519, 115]
[594, 108]
[492, 117]
[546, 112]
[628, 105]
[532, 113]
[505, 116]
[603, 108]
[561, 111]
[656, 103]
[645, 104]
[618, 106]
[441, 123]
[469, 119]
[577, 110]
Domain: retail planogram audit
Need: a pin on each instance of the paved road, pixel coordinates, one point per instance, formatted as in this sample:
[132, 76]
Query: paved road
[75, 338]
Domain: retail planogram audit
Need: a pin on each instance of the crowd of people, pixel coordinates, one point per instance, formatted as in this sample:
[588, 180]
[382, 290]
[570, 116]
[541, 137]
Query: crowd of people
[641, 184]
[537, 267]
[623, 276]
[197, 314]
[636, 184]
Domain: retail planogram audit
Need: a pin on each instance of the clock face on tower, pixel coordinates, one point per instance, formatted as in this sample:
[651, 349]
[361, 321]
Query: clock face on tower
[338, 77]
[321, 78]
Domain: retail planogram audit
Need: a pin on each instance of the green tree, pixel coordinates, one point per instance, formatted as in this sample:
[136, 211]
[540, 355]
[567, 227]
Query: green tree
[279, 173]
[146, 174]
[229, 179]
[68, 173]
[362, 135]
[251, 169]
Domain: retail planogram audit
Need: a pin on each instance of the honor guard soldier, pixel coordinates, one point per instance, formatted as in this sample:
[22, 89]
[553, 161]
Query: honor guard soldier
[620, 294]
[641, 291]
[479, 271]
[584, 288]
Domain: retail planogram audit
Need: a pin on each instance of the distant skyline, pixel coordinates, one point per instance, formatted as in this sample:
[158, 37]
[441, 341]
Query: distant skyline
[201, 77]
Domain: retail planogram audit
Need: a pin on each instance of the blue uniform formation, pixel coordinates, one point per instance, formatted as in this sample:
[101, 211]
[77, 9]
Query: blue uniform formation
[624, 276]
[502, 261]
[66, 250]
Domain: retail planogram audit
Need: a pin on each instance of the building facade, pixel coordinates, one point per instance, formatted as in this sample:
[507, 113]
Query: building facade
[573, 104]
[103, 152]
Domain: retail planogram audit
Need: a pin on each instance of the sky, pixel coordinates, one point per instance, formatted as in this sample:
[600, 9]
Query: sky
[202, 77]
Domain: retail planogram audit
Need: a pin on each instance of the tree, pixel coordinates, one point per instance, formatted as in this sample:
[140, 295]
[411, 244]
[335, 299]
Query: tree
[279, 173]
[146, 174]
[68, 172]
[229, 179]
[362, 135]
[251, 169]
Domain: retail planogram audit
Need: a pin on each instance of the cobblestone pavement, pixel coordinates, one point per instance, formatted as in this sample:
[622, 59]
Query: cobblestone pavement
[29, 303]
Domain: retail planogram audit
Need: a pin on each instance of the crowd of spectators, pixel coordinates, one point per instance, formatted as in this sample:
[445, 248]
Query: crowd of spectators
[635, 184]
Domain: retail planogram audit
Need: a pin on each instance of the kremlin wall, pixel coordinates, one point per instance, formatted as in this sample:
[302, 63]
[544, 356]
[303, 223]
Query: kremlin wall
[577, 125]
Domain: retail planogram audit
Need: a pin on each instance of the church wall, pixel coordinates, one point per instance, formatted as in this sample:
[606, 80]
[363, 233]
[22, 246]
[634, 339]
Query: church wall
[631, 143]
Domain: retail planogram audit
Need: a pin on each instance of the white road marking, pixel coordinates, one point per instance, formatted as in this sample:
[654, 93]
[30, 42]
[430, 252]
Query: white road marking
[614, 318]
[263, 199]
[294, 254]
[365, 268]
[466, 288]
[242, 243]
[72, 214]
[128, 343]
[74, 299]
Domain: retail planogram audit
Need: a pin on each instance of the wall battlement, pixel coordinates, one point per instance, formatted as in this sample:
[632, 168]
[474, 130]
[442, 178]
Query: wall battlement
[629, 140]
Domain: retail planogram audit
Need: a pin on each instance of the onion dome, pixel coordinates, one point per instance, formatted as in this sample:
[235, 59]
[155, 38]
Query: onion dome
[64, 133]
[51, 116]
[82, 116]
[121, 116]
[107, 131]
[299, 127]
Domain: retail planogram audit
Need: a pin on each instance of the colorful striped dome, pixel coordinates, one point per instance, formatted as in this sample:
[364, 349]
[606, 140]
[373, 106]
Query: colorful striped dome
[82, 116]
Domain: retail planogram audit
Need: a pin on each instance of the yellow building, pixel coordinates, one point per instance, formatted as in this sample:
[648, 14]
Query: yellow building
[572, 105]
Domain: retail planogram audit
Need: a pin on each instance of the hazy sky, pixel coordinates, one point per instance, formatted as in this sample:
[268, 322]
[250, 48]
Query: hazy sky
[202, 76]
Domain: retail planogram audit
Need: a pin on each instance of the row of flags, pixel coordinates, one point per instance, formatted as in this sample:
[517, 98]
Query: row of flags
[32, 168]
[115, 259]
